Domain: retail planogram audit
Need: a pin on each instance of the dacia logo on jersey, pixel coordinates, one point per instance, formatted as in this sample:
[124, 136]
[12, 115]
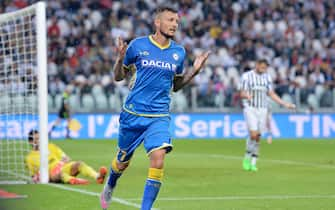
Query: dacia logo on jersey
[159, 64]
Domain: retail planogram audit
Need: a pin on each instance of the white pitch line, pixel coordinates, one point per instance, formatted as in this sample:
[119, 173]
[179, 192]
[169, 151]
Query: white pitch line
[287, 162]
[86, 192]
[17, 197]
[115, 199]
[261, 197]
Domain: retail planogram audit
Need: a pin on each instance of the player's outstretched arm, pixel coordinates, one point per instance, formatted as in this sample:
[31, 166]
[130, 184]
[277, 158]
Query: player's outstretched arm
[119, 71]
[278, 100]
[181, 81]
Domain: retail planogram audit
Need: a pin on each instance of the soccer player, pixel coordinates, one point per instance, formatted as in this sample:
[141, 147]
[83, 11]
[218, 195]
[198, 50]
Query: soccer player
[61, 168]
[64, 113]
[158, 61]
[255, 87]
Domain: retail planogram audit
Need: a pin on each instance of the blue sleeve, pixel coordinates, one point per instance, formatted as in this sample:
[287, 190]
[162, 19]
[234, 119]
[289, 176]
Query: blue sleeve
[180, 67]
[130, 55]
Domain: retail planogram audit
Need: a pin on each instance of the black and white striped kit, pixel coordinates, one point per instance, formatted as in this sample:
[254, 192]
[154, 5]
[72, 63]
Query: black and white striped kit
[257, 85]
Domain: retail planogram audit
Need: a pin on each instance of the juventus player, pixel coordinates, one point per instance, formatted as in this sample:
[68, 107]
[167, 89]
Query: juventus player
[255, 87]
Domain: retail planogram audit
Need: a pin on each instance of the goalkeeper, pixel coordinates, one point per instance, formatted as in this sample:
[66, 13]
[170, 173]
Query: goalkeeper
[61, 168]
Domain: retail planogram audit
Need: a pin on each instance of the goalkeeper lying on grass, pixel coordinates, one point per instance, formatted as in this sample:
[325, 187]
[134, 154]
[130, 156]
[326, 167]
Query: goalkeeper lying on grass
[61, 168]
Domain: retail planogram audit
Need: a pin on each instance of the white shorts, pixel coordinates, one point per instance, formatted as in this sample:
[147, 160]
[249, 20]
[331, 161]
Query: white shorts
[255, 119]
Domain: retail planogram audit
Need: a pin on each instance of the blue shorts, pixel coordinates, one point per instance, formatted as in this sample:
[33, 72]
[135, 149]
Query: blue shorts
[153, 131]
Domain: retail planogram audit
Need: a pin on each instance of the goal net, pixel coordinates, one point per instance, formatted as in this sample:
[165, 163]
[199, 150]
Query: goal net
[23, 91]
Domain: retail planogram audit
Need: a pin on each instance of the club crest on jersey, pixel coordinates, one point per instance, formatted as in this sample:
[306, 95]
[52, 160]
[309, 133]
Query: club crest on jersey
[175, 56]
[159, 64]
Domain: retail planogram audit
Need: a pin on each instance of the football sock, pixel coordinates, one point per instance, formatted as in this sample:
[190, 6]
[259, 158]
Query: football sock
[66, 177]
[152, 186]
[87, 171]
[249, 148]
[114, 174]
[254, 159]
[255, 152]
[267, 134]
[76, 180]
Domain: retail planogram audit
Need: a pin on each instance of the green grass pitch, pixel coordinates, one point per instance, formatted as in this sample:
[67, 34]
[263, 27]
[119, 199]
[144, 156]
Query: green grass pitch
[200, 175]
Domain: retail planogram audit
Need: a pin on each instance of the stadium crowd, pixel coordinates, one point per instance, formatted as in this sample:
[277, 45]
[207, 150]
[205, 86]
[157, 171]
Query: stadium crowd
[297, 37]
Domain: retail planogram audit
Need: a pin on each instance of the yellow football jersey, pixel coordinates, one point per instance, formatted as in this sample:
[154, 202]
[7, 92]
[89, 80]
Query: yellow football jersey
[32, 160]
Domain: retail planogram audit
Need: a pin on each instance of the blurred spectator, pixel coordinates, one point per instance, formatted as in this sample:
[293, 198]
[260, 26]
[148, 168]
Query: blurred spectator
[296, 37]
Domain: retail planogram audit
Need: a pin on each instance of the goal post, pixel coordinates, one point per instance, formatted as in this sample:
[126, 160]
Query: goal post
[23, 91]
[43, 89]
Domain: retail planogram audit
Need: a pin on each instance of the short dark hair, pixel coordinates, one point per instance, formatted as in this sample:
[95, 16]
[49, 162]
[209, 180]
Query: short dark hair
[31, 135]
[263, 61]
[165, 8]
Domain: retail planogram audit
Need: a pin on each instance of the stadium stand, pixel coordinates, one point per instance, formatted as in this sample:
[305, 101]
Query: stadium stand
[296, 37]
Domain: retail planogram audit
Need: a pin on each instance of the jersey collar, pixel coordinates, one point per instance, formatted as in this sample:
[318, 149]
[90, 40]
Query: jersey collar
[158, 45]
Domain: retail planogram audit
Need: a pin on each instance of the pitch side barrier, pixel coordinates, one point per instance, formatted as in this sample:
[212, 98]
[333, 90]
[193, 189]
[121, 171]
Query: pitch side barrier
[186, 126]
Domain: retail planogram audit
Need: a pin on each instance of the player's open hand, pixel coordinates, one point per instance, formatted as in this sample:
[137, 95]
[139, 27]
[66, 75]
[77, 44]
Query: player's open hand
[36, 178]
[290, 106]
[200, 61]
[248, 96]
[121, 47]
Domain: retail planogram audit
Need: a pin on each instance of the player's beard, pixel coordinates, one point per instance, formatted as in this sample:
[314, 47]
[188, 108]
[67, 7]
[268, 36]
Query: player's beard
[167, 36]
